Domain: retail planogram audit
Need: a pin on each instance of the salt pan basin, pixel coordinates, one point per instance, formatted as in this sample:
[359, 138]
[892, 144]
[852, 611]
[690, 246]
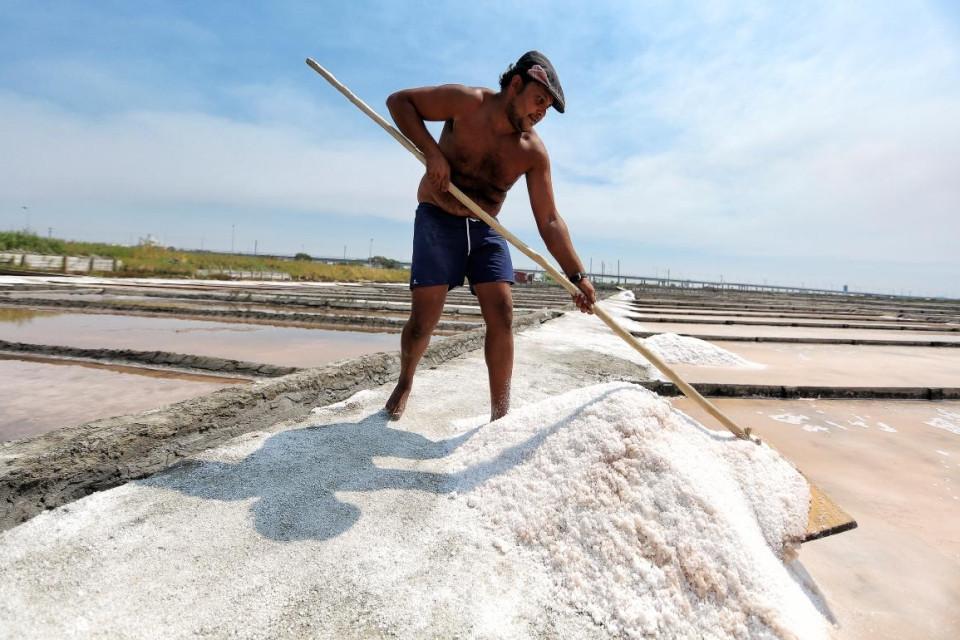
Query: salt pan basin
[601, 512]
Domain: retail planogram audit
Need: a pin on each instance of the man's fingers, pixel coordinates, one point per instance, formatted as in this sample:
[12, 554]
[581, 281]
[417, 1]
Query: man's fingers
[440, 181]
[583, 303]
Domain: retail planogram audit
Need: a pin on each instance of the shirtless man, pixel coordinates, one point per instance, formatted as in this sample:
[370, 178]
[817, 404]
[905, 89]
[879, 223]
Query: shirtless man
[486, 144]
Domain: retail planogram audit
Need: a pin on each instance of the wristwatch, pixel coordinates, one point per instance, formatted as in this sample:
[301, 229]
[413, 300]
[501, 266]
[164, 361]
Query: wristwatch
[575, 278]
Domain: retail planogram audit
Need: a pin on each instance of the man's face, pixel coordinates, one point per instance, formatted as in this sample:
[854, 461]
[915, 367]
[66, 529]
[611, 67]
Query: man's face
[529, 105]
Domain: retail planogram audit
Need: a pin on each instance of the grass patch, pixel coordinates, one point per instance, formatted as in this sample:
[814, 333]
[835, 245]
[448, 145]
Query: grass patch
[161, 261]
[23, 241]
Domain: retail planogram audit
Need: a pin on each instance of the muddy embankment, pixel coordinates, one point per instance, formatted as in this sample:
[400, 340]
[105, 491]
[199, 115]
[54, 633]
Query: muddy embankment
[165, 359]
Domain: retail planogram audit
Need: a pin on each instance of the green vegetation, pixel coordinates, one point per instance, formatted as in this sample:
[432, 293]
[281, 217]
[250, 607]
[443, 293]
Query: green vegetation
[168, 262]
[23, 241]
[385, 263]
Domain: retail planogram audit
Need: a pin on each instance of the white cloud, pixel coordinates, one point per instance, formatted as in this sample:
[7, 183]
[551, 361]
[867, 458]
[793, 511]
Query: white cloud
[156, 159]
[841, 142]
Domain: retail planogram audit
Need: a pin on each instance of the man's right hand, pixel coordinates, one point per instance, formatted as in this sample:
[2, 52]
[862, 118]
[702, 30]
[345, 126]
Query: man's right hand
[438, 171]
[587, 296]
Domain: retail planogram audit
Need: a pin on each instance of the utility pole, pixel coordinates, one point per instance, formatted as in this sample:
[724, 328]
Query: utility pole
[370, 255]
[254, 247]
[26, 215]
[591, 266]
[233, 236]
[49, 232]
[618, 270]
[344, 253]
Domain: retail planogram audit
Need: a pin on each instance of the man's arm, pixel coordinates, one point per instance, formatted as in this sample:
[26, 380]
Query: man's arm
[410, 108]
[552, 228]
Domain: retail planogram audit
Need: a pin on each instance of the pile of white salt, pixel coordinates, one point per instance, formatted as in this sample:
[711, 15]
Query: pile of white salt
[677, 349]
[576, 331]
[650, 524]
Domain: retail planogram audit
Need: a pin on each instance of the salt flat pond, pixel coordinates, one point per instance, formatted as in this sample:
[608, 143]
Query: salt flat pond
[286, 346]
[771, 331]
[834, 364]
[42, 394]
[39, 396]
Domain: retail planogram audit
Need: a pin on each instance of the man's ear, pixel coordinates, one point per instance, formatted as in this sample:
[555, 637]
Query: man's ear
[516, 83]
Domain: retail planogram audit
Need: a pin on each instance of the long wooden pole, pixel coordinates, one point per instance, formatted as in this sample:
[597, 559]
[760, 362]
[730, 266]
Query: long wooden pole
[687, 390]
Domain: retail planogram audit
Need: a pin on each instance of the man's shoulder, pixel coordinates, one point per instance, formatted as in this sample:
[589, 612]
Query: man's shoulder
[467, 98]
[534, 146]
[533, 139]
[441, 102]
[477, 93]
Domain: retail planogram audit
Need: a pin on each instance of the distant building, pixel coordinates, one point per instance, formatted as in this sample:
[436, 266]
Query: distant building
[526, 277]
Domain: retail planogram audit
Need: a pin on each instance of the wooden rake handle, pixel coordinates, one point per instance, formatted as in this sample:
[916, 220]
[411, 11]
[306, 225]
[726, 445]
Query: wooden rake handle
[687, 390]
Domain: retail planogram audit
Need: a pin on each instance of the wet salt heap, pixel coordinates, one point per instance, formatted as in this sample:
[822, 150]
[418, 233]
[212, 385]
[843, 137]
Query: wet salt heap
[676, 349]
[575, 331]
[650, 524]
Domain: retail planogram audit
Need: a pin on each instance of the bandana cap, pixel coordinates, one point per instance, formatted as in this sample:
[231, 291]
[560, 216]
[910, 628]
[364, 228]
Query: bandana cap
[536, 65]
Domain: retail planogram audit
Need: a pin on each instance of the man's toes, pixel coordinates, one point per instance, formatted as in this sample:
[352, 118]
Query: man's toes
[396, 410]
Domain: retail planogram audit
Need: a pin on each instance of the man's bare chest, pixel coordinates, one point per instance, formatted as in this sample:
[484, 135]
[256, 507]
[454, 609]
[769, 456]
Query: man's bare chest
[479, 159]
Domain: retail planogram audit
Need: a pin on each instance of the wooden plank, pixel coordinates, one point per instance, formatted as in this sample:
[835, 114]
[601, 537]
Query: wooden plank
[825, 517]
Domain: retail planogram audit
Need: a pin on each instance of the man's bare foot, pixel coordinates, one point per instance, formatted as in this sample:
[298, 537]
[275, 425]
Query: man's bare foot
[499, 409]
[397, 401]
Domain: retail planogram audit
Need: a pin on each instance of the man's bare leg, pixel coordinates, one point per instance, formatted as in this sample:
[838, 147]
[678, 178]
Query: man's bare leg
[496, 304]
[425, 311]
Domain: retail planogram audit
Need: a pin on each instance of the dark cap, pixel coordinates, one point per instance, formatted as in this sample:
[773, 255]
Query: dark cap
[536, 65]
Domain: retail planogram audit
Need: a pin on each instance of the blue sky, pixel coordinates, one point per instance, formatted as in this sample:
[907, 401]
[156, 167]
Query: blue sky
[813, 143]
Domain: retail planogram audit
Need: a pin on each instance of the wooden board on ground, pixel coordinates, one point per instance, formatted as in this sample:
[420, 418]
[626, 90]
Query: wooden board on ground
[825, 517]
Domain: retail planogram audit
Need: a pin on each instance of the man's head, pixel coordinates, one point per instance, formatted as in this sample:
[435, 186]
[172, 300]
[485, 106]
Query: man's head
[532, 86]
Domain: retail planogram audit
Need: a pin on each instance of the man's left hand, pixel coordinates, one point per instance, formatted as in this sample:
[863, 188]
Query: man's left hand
[587, 296]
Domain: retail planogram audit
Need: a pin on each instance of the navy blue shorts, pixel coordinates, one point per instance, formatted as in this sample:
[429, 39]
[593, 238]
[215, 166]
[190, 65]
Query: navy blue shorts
[448, 248]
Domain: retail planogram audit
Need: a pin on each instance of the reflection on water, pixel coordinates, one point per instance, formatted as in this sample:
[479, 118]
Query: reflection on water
[23, 316]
